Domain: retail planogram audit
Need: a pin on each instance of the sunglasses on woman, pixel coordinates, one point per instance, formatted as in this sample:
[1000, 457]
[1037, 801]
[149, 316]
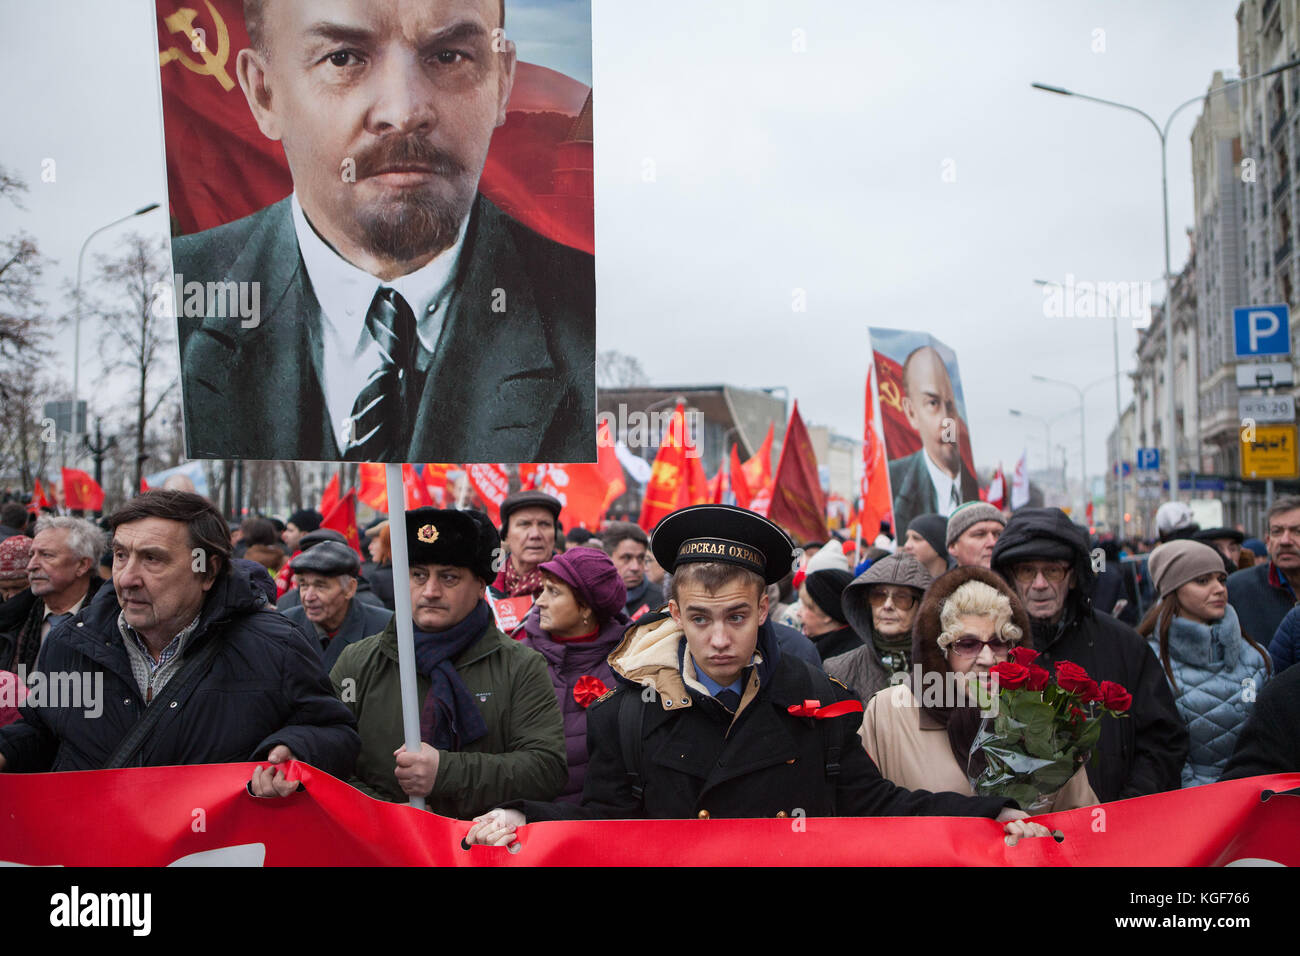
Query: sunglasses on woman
[903, 600]
[972, 646]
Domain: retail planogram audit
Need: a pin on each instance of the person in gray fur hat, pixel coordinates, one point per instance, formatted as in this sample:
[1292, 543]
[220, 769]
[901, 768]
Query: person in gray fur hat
[880, 604]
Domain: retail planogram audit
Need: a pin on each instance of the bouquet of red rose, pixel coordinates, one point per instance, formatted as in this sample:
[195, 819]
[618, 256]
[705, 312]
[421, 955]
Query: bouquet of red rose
[1042, 728]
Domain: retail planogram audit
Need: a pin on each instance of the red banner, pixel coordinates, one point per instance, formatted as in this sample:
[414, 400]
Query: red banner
[203, 813]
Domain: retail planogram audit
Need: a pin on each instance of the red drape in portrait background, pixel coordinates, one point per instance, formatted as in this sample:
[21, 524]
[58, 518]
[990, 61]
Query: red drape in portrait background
[220, 167]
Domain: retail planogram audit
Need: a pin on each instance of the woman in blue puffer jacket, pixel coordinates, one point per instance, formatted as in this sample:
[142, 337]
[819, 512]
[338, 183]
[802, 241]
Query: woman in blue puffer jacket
[1215, 669]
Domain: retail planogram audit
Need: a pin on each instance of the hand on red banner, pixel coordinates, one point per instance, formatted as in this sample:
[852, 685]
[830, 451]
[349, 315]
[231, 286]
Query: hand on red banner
[494, 828]
[271, 781]
[1016, 827]
[416, 772]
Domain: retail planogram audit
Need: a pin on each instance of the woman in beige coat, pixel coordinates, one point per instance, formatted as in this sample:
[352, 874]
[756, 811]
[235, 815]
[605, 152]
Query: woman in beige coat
[919, 732]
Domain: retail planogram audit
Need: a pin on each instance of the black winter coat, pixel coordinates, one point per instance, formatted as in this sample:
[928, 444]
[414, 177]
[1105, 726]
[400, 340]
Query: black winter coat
[1139, 754]
[265, 687]
[14, 615]
[768, 764]
[1270, 741]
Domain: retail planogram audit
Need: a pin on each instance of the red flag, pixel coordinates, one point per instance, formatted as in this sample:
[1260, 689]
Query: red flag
[876, 503]
[492, 484]
[39, 500]
[997, 490]
[717, 485]
[374, 487]
[797, 500]
[739, 484]
[343, 519]
[81, 492]
[585, 490]
[758, 468]
[414, 490]
[220, 167]
[330, 496]
[435, 480]
[677, 478]
[144, 486]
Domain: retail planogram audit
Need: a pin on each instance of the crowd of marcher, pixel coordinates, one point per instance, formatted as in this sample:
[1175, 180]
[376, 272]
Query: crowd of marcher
[710, 669]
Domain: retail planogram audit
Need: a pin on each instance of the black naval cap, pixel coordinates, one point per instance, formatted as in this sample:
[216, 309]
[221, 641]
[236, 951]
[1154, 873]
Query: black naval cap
[328, 557]
[725, 534]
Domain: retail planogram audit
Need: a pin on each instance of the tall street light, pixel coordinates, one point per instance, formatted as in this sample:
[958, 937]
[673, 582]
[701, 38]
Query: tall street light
[1083, 443]
[1047, 429]
[1119, 411]
[1163, 133]
[76, 342]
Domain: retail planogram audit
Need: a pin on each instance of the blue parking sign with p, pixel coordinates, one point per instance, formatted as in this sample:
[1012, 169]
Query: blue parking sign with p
[1261, 330]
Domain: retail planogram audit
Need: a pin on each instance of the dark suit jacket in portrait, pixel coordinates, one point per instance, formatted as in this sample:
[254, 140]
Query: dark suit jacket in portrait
[516, 385]
[914, 492]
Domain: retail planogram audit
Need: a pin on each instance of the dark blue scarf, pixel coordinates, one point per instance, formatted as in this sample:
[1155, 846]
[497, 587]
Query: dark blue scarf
[449, 718]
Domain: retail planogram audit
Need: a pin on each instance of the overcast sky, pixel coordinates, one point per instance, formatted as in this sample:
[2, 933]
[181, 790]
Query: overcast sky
[890, 161]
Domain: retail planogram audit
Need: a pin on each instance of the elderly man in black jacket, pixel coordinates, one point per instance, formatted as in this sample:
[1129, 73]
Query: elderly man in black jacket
[1045, 557]
[180, 662]
[711, 720]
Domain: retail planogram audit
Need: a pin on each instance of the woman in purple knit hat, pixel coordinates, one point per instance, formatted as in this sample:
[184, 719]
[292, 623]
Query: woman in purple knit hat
[575, 623]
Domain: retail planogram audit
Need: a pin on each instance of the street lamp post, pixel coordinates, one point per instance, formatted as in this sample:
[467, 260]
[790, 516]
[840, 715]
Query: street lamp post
[1083, 443]
[76, 340]
[1163, 133]
[1119, 412]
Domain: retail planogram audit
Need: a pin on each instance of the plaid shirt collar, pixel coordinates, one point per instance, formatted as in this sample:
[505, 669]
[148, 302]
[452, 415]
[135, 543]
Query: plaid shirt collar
[172, 650]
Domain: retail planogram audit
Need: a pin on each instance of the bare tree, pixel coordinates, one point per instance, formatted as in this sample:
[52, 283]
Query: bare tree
[22, 316]
[616, 370]
[138, 336]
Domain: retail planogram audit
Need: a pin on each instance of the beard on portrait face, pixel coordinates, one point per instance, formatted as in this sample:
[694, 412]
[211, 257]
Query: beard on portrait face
[417, 221]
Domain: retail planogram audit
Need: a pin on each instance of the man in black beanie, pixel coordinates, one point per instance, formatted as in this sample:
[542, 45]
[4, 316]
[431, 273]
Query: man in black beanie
[926, 541]
[824, 622]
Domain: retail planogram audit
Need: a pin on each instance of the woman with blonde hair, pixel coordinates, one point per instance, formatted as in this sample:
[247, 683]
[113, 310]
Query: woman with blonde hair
[919, 732]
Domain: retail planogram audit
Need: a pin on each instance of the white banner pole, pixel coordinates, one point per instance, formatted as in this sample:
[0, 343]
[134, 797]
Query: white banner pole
[402, 607]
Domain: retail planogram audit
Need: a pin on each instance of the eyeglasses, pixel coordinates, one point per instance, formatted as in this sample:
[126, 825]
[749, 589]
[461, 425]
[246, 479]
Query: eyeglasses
[973, 646]
[1054, 573]
[902, 599]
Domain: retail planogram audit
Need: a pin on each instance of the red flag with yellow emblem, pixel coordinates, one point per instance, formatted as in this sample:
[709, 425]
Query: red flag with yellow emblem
[81, 492]
[677, 478]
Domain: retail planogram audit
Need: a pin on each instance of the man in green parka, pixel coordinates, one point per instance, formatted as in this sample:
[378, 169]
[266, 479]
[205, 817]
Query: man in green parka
[489, 724]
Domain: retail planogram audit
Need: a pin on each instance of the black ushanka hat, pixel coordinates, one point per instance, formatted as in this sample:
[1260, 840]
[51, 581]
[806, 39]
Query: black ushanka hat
[725, 534]
[462, 539]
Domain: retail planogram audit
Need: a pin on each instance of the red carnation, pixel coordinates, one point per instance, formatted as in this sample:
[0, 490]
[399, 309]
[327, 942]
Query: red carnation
[1038, 677]
[588, 690]
[1115, 697]
[1071, 677]
[1010, 674]
[1023, 656]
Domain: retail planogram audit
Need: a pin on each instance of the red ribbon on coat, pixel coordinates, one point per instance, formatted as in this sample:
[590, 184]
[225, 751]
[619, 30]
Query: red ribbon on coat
[814, 708]
[588, 690]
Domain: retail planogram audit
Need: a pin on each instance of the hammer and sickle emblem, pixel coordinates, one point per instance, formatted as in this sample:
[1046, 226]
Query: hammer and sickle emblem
[214, 64]
[889, 394]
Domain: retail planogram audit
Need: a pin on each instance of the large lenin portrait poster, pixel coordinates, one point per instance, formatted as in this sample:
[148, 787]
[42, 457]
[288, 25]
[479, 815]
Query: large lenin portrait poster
[923, 415]
[382, 228]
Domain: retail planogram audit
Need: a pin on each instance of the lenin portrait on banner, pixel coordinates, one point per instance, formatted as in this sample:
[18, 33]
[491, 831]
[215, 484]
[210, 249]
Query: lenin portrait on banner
[402, 316]
[926, 440]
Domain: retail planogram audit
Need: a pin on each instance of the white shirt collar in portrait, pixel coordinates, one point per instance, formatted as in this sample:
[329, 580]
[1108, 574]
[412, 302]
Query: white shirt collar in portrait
[345, 293]
[943, 485]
